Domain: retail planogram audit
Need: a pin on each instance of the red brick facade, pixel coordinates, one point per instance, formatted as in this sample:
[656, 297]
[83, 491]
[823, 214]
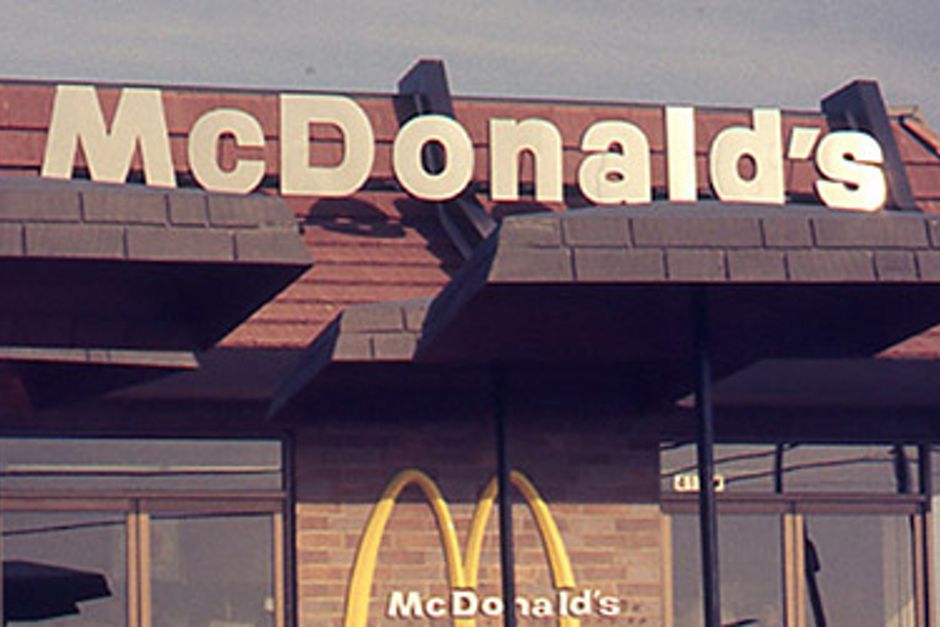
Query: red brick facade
[600, 483]
[382, 245]
[596, 469]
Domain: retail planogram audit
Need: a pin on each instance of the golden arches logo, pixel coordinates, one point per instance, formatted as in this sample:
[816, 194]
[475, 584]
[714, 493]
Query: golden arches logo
[460, 574]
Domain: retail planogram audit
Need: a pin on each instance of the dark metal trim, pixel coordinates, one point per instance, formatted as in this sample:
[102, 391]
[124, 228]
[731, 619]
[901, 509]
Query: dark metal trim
[779, 451]
[426, 91]
[924, 464]
[859, 105]
[902, 473]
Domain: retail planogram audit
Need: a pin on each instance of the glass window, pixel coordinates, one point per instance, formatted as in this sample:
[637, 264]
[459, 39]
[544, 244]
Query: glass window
[64, 569]
[859, 570]
[881, 469]
[738, 468]
[751, 567]
[935, 507]
[843, 560]
[139, 464]
[215, 570]
[108, 533]
[786, 468]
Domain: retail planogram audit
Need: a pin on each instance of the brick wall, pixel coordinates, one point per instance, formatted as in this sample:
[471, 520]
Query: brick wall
[597, 474]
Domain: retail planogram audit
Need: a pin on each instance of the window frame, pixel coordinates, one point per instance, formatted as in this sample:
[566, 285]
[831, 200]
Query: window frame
[793, 508]
[139, 504]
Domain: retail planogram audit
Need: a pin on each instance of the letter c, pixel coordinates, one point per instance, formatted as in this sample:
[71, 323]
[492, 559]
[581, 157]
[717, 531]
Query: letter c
[204, 145]
[436, 607]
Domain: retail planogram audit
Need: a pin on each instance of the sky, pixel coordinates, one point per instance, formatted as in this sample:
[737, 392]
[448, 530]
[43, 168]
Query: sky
[786, 53]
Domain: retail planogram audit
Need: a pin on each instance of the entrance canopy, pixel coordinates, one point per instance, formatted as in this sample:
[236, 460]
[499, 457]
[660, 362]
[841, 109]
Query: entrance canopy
[126, 281]
[611, 289]
[95, 265]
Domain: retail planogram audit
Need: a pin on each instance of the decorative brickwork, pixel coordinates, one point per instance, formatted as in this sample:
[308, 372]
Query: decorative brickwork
[384, 246]
[599, 479]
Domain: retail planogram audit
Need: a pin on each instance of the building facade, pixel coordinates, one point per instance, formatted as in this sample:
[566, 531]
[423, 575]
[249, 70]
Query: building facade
[266, 358]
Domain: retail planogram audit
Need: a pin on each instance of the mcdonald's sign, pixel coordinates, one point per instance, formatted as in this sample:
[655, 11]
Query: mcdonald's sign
[463, 568]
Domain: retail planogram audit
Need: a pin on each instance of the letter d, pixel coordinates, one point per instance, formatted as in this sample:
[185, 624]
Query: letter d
[298, 177]
[464, 603]
[763, 144]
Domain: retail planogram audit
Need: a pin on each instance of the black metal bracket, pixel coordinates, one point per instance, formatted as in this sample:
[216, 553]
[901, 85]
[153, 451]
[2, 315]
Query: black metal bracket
[423, 90]
[859, 106]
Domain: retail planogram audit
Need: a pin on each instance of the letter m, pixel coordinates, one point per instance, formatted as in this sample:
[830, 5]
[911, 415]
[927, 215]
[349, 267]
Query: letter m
[139, 120]
[402, 605]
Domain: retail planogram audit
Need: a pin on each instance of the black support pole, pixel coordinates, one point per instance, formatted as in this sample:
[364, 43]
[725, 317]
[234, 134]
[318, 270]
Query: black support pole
[708, 520]
[503, 470]
[927, 568]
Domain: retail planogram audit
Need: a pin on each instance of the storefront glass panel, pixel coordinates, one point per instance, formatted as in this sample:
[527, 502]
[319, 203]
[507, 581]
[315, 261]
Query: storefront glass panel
[852, 551]
[64, 569]
[140, 464]
[212, 570]
[884, 469]
[935, 526]
[794, 467]
[751, 570]
[860, 567]
[167, 532]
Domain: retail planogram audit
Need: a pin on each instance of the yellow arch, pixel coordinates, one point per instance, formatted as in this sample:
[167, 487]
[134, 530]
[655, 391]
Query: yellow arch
[559, 564]
[367, 554]
[459, 577]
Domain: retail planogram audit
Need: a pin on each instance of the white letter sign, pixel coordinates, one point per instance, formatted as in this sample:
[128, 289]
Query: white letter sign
[458, 160]
[852, 161]
[298, 177]
[203, 151]
[764, 145]
[681, 178]
[138, 121]
[609, 177]
[508, 139]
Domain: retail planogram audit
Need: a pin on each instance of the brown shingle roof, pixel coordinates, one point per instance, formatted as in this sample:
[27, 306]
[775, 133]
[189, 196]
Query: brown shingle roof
[125, 266]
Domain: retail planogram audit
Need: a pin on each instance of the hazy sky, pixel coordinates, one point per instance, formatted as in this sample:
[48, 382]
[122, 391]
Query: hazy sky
[737, 52]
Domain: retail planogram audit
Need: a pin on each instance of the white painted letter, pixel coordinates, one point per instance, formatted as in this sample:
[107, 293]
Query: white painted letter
[609, 606]
[610, 177]
[298, 177]
[436, 607]
[492, 606]
[542, 608]
[508, 139]
[204, 151]
[465, 603]
[763, 144]
[458, 159]
[402, 605]
[682, 179]
[138, 120]
[852, 160]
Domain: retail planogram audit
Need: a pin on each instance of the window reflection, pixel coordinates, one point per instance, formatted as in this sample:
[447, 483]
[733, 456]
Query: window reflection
[751, 585]
[139, 563]
[139, 464]
[859, 571]
[788, 468]
[64, 569]
[214, 571]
